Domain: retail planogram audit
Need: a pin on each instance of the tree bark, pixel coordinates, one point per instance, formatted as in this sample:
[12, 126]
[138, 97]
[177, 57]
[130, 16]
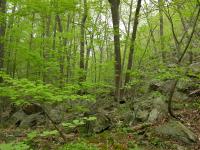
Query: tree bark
[127, 35]
[2, 32]
[82, 42]
[30, 47]
[115, 19]
[132, 46]
[160, 4]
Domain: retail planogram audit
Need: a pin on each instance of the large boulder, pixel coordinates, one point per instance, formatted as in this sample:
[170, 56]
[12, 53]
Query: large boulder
[21, 119]
[17, 118]
[161, 86]
[32, 108]
[150, 109]
[178, 131]
[33, 120]
[56, 115]
[102, 123]
[142, 115]
[195, 68]
[153, 115]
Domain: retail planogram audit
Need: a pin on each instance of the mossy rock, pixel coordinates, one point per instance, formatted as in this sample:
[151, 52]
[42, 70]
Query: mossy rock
[177, 131]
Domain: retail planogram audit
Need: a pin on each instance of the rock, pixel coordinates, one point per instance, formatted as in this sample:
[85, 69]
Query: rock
[4, 117]
[32, 120]
[195, 68]
[154, 86]
[180, 96]
[153, 115]
[56, 115]
[32, 108]
[102, 123]
[17, 117]
[160, 104]
[177, 131]
[142, 115]
[159, 109]
[179, 147]
[187, 86]
[161, 86]
[128, 118]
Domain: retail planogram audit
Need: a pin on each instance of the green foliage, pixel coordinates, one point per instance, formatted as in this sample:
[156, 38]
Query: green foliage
[49, 133]
[32, 135]
[79, 146]
[14, 146]
[138, 78]
[174, 72]
[133, 146]
[25, 91]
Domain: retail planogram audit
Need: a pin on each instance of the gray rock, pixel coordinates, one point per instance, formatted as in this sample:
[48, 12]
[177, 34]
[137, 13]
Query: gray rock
[179, 147]
[128, 118]
[160, 104]
[102, 123]
[161, 86]
[32, 120]
[180, 96]
[142, 115]
[195, 68]
[177, 131]
[17, 117]
[56, 115]
[150, 108]
[153, 115]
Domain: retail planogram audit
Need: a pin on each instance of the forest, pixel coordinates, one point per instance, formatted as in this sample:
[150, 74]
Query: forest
[99, 74]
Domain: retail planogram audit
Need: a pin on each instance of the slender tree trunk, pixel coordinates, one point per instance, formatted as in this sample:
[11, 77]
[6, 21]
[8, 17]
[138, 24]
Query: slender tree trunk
[162, 46]
[87, 56]
[2, 33]
[132, 46]
[15, 50]
[115, 19]
[68, 50]
[127, 34]
[61, 54]
[30, 47]
[174, 83]
[150, 28]
[82, 42]
[94, 57]
[54, 34]
[10, 39]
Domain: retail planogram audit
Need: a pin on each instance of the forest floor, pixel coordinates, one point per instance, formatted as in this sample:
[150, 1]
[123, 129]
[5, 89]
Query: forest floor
[136, 137]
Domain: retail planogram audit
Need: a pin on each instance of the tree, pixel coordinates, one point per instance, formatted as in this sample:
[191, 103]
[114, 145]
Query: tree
[161, 6]
[2, 31]
[82, 42]
[115, 19]
[132, 46]
[128, 34]
[186, 46]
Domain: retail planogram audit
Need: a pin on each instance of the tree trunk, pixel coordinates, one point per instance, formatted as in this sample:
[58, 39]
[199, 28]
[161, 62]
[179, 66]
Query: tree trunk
[82, 43]
[10, 39]
[30, 47]
[2, 33]
[132, 46]
[174, 83]
[161, 3]
[115, 19]
[127, 35]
